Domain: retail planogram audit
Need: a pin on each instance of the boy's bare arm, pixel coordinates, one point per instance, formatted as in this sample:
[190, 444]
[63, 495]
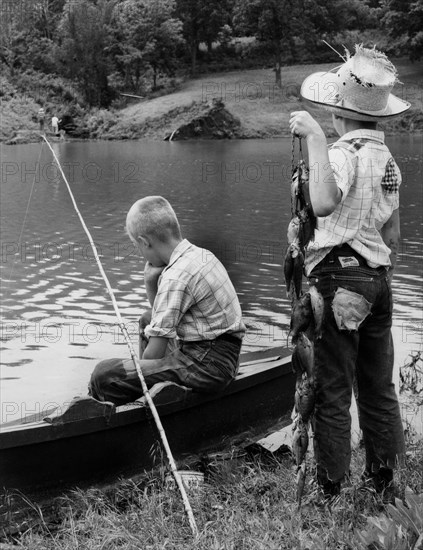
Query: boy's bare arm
[156, 348]
[151, 278]
[391, 237]
[324, 191]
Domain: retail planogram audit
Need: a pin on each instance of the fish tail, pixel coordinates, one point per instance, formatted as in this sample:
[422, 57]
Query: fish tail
[301, 479]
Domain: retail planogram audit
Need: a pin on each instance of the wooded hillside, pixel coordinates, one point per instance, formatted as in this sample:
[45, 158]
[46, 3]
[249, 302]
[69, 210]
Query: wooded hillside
[86, 52]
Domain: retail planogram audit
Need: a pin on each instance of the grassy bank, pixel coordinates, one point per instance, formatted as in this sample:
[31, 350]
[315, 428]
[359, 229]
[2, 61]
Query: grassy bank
[246, 505]
[250, 95]
[248, 501]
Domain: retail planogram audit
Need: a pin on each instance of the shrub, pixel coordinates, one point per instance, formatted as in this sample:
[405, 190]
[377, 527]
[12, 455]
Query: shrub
[100, 123]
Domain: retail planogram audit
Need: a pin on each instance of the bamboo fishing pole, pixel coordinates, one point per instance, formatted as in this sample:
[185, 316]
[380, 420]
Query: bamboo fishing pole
[134, 357]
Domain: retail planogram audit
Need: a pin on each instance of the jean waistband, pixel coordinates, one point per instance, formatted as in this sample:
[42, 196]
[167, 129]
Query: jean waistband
[345, 250]
[226, 336]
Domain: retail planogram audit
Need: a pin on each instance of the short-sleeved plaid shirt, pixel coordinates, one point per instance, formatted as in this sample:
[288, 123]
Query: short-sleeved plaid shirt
[369, 180]
[195, 299]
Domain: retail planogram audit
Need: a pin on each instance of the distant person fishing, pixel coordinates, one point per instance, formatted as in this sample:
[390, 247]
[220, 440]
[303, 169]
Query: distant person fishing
[347, 242]
[41, 118]
[55, 125]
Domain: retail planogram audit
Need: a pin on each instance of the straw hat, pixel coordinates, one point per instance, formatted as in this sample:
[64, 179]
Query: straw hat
[359, 89]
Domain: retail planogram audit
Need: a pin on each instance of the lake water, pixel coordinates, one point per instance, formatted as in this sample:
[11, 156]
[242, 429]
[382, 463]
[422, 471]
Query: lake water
[231, 197]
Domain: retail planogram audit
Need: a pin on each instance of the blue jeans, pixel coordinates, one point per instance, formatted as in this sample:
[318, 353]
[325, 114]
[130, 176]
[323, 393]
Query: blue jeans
[356, 344]
[205, 366]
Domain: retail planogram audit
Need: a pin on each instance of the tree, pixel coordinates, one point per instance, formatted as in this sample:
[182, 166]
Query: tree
[403, 19]
[11, 33]
[350, 15]
[332, 20]
[47, 15]
[275, 22]
[85, 34]
[202, 20]
[148, 36]
[27, 32]
[215, 19]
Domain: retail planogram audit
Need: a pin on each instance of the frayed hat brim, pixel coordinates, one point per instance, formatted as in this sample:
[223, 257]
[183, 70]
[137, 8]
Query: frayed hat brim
[319, 90]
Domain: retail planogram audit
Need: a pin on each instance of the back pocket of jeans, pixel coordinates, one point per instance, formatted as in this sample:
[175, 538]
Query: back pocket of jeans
[197, 351]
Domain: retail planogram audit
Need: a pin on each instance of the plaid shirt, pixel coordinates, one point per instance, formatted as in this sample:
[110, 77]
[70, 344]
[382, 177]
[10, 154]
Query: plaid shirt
[369, 180]
[195, 299]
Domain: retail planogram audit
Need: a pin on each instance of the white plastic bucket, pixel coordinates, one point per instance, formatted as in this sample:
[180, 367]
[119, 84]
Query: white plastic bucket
[193, 481]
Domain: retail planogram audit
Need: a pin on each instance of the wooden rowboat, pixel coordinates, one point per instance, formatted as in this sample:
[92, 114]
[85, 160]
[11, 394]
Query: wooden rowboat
[98, 443]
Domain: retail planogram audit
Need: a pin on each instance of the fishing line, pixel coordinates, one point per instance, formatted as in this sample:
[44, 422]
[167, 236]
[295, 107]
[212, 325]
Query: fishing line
[26, 214]
[332, 48]
[134, 357]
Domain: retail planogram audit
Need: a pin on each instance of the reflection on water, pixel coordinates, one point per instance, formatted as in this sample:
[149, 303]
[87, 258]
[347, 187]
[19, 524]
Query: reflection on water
[231, 197]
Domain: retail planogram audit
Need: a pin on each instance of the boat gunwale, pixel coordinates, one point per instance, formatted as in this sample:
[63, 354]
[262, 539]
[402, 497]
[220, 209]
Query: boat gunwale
[23, 434]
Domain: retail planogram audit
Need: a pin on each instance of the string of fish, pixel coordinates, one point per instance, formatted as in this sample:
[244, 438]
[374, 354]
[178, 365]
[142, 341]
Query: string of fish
[306, 311]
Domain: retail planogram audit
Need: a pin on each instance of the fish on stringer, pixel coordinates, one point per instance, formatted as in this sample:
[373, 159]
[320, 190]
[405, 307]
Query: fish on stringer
[317, 306]
[303, 366]
[306, 326]
[293, 271]
[306, 316]
[301, 316]
[301, 228]
[301, 207]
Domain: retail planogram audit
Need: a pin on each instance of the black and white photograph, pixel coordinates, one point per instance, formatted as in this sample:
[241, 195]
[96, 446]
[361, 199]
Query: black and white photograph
[211, 276]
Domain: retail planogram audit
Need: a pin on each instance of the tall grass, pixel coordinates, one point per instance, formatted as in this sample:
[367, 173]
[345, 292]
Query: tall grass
[247, 505]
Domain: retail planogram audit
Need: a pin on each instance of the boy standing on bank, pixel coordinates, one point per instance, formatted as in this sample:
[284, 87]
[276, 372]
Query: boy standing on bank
[354, 190]
[194, 334]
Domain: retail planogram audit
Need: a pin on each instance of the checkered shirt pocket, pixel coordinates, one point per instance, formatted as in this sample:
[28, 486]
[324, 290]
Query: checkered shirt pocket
[390, 183]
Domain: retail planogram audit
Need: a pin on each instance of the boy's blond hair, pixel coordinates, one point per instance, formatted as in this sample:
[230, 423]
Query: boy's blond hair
[152, 217]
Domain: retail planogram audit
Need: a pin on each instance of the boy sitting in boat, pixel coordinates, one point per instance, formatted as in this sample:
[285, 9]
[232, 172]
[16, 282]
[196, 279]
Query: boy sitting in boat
[354, 190]
[195, 333]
